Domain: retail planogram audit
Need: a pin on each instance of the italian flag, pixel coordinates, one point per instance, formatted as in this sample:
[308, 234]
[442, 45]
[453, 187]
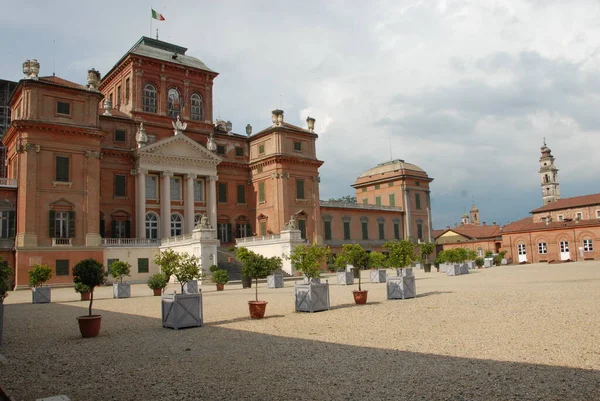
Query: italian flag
[157, 16]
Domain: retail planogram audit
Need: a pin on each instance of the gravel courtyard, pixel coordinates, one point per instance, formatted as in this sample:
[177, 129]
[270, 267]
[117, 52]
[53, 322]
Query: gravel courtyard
[505, 333]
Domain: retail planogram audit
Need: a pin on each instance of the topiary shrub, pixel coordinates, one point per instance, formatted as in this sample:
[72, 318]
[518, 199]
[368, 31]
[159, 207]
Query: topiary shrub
[39, 274]
[120, 269]
[158, 281]
[479, 261]
[81, 288]
[220, 276]
[91, 273]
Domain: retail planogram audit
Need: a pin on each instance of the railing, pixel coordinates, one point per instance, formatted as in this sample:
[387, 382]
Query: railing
[8, 182]
[358, 206]
[177, 238]
[258, 238]
[129, 242]
[62, 241]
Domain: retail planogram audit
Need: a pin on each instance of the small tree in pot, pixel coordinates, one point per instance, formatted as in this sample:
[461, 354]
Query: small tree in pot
[427, 249]
[90, 273]
[257, 266]
[219, 276]
[188, 269]
[118, 270]
[38, 275]
[378, 262]
[83, 290]
[355, 255]
[158, 282]
[168, 261]
[312, 296]
[307, 259]
[479, 261]
[402, 254]
[5, 276]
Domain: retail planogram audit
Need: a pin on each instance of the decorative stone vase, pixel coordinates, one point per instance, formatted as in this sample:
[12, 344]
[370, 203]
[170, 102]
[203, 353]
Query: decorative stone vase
[360, 297]
[453, 270]
[85, 296]
[401, 287]
[121, 290]
[345, 278]
[313, 297]
[190, 287]
[257, 309]
[306, 280]
[182, 310]
[275, 281]
[377, 276]
[89, 326]
[157, 292]
[41, 295]
[220, 287]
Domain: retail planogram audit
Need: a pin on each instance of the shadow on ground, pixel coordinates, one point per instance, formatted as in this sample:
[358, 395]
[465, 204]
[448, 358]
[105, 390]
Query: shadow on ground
[134, 358]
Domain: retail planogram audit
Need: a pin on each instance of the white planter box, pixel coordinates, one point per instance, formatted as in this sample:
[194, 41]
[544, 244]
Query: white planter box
[345, 278]
[401, 287]
[464, 269]
[378, 276]
[275, 281]
[182, 310]
[471, 264]
[306, 280]
[312, 297]
[443, 267]
[191, 287]
[417, 265]
[121, 290]
[488, 262]
[453, 270]
[40, 295]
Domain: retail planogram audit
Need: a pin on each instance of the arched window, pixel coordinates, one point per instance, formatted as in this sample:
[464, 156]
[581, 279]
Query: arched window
[480, 252]
[176, 224]
[196, 107]
[151, 225]
[546, 178]
[173, 103]
[149, 98]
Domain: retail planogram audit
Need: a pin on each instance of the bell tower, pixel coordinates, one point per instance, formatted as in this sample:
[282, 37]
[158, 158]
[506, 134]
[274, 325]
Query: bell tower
[548, 176]
[474, 215]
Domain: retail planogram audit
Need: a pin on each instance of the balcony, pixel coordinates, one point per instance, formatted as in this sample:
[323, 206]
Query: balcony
[62, 241]
[130, 242]
[8, 182]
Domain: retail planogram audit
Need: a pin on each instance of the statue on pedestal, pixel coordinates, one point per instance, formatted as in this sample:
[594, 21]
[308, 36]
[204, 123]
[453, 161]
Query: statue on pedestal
[291, 225]
[178, 126]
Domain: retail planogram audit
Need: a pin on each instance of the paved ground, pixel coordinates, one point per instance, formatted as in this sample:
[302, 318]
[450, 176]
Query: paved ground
[504, 333]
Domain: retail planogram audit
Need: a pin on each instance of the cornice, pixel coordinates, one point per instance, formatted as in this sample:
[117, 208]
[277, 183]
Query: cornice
[62, 128]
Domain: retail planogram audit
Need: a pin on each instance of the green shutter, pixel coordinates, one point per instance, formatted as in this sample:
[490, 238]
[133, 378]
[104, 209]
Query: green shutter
[261, 191]
[365, 230]
[71, 224]
[328, 230]
[222, 192]
[102, 229]
[143, 265]
[248, 230]
[241, 194]
[300, 189]
[392, 200]
[113, 228]
[228, 232]
[51, 224]
[11, 224]
[128, 229]
[381, 231]
[62, 267]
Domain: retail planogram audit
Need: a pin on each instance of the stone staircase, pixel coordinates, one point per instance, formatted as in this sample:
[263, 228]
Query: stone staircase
[226, 260]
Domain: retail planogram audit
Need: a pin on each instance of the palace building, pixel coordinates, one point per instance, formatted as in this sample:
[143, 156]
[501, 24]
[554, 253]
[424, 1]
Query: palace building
[129, 162]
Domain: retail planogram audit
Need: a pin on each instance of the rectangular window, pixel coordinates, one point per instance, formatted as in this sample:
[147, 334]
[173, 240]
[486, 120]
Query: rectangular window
[365, 229]
[378, 200]
[381, 231]
[62, 267]
[302, 228]
[222, 192]
[298, 146]
[560, 217]
[127, 91]
[261, 149]
[63, 108]
[259, 170]
[199, 191]
[239, 151]
[61, 224]
[542, 248]
[588, 246]
[120, 189]
[346, 230]
[396, 230]
[143, 265]
[175, 188]
[7, 224]
[420, 231]
[327, 229]
[300, 189]
[62, 168]
[118, 95]
[261, 192]
[579, 216]
[109, 262]
[418, 183]
[220, 149]
[390, 184]
[120, 228]
[241, 194]
[392, 200]
[365, 201]
[418, 201]
[262, 228]
[120, 135]
[598, 214]
[377, 186]
[364, 189]
[151, 187]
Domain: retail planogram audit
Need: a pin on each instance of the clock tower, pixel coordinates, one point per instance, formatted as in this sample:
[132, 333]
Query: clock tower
[548, 176]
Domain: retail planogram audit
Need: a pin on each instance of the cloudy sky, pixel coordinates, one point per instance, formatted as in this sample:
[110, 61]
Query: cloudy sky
[467, 90]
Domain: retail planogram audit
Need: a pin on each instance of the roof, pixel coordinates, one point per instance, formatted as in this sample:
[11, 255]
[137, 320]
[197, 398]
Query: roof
[114, 113]
[391, 166]
[52, 79]
[472, 231]
[528, 224]
[284, 125]
[568, 203]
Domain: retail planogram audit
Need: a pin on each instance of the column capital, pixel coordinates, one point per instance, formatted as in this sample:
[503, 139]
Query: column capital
[191, 176]
[139, 171]
[166, 174]
[213, 178]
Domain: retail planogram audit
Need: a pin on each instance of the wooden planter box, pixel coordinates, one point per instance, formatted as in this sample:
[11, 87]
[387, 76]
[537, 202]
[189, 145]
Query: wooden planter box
[182, 310]
[191, 287]
[378, 276]
[345, 278]
[40, 295]
[401, 287]
[453, 270]
[306, 280]
[275, 281]
[312, 297]
[121, 290]
[464, 269]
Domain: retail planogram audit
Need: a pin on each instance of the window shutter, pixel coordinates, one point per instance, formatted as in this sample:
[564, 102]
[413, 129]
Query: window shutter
[128, 229]
[51, 224]
[102, 229]
[11, 224]
[228, 232]
[113, 228]
[248, 230]
[71, 224]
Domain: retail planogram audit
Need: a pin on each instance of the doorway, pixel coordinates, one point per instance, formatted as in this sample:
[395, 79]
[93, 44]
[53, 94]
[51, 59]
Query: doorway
[522, 253]
[564, 250]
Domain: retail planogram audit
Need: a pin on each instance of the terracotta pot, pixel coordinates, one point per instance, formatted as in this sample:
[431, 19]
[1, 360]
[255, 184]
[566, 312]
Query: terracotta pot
[85, 296]
[298, 274]
[89, 326]
[229, 259]
[257, 309]
[360, 297]
[157, 292]
[220, 287]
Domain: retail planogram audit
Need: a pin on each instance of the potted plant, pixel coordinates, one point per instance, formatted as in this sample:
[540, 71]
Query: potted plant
[479, 261]
[90, 273]
[427, 249]
[5, 276]
[471, 256]
[257, 266]
[38, 275]
[356, 256]
[83, 290]
[345, 270]
[489, 258]
[402, 286]
[188, 271]
[185, 309]
[168, 260]
[311, 296]
[378, 263]
[118, 270]
[158, 282]
[219, 276]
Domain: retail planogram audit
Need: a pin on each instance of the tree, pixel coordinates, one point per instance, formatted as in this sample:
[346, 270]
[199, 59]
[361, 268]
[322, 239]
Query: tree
[427, 249]
[355, 255]
[120, 269]
[257, 266]
[168, 260]
[402, 254]
[308, 259]
[187, 269]
[5, 275]
[344, 199]
[471, 254]
[39, 274]
[378, 260]
[91, 273]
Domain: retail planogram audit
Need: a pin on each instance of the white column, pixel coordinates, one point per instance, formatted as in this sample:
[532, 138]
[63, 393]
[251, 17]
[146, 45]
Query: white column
[165, 204]
[140, 204]
[407, 216]
[212, 200]
[188, 206]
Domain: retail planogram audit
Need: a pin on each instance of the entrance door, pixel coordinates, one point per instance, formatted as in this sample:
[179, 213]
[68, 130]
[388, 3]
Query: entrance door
[522, 253]
[564, 250]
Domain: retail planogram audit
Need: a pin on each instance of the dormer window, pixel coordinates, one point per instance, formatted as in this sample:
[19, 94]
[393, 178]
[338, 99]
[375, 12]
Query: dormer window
[297, 146]
[63, 108]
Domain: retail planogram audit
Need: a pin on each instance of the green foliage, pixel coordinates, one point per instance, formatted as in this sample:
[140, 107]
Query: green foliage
[213, 268]
[498, 260]
[168, 261]
[231, 248]
[220, 276]
[471, 254]
[81, 288]
[91, 273]
[426, 249]
[402, 253]
[479, 261]
[5, 276]
[442, 257]
[187, 269]
[378, 260]
[489, 254]
[257, 266]
[120, 269]
[502, 254]
[355, 255]
[158, 281]
[308, 259]
[39, 274]
[344, 199]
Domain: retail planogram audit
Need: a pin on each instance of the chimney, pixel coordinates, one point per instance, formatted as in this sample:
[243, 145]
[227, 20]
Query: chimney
[493, 223]
[310, 122]
[447, 227]
[277, 117]
[484, 223]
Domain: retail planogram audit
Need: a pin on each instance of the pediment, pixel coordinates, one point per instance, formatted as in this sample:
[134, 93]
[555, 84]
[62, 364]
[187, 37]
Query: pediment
[62, 203]
[180, 146]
